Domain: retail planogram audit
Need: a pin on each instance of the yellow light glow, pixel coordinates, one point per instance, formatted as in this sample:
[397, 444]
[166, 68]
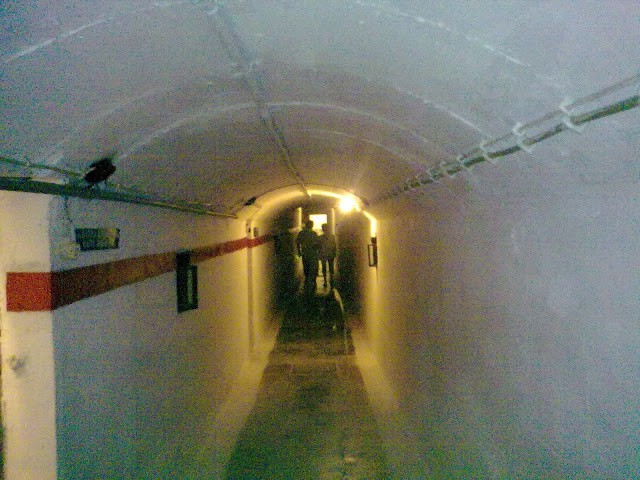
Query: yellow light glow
[318, 220]
[373, 223]
[347, 204]
[324, 193]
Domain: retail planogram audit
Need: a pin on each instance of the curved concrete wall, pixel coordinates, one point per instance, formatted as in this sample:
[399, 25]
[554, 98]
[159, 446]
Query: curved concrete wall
[502, 312]
[135, 379]
[506, 327]
[503, 328]
[137, 386]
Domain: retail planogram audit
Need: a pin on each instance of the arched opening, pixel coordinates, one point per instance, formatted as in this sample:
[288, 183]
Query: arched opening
[283, 212]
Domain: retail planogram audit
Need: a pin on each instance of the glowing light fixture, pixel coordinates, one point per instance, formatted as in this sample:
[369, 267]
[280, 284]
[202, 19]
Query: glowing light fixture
[347, 202]
[347, 205]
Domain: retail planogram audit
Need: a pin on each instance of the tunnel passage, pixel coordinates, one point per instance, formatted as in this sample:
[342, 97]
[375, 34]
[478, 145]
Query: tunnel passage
[312, 417]
[496, 147]
[352, 230]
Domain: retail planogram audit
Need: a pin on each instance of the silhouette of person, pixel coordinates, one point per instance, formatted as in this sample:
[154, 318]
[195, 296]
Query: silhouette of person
[308, 249]
[328, 250]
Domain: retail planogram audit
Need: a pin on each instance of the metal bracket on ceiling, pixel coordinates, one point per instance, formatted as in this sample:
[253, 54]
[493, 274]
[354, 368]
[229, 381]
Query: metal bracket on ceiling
[567, 118]
[485, 153]
[443, 166]
[521, 138]
[429, 178]
[460, 161]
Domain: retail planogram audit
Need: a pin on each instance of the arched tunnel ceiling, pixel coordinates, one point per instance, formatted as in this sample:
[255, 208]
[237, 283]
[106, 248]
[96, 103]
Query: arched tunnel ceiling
[218, 102]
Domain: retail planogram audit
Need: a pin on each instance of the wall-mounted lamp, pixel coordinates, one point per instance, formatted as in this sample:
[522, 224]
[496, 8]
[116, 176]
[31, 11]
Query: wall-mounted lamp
[372, 250]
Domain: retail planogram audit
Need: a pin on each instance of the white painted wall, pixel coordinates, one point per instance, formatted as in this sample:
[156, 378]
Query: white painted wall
[352, 266]
[507, 325]
[28, 396]
[263, 278]
[138, 383]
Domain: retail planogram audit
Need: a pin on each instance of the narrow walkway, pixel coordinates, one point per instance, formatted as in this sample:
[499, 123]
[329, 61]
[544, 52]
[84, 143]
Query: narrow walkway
[311, 419]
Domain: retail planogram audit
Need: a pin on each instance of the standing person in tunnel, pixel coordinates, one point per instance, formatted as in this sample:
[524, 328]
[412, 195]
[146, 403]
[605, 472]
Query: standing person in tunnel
[308, 249]
[328, 250]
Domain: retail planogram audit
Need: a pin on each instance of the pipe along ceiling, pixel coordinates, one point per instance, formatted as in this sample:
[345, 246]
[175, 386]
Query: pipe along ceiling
[204, 105]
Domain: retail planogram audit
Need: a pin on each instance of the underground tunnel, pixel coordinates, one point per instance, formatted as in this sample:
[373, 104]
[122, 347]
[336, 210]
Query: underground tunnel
[157, 158]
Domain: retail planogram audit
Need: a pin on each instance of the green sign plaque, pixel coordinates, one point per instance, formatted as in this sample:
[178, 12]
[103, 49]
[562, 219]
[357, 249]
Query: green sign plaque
[97, 238]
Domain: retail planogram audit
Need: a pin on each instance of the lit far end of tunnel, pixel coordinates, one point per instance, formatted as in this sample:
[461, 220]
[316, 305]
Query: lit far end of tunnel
[275, 201]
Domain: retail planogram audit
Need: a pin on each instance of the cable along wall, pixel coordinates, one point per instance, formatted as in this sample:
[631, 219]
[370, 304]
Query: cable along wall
[570, 115]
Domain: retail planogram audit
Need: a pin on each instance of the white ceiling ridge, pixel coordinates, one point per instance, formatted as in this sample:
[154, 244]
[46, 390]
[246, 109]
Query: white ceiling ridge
[70, 33]
[395, 11]
[355, 112]
[209, 112]
[212, 112]
[88, 125]
[91, 122]
[182, 121]
[248, 71]
[396, 153]
[453, 32]
[440, 107]
[34, 48]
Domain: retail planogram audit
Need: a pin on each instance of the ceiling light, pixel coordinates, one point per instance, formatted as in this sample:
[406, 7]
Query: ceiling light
[347, 205]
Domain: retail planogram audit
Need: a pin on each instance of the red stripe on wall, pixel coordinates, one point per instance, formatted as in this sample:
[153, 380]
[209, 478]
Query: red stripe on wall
[205, 253]
[256, 242]
[43, 291]
[69, 286]
[29, 291]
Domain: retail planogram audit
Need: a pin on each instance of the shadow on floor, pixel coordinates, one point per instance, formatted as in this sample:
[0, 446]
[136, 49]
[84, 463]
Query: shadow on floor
[311, 419]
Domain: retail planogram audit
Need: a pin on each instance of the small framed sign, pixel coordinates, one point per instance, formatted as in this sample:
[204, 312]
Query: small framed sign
[372, 250]
[97, 238]
[186, 282]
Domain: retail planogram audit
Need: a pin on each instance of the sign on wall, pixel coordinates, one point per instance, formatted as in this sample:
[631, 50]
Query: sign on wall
[97, 238]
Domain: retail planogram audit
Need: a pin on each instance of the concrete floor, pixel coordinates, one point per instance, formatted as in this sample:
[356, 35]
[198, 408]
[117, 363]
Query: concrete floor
[311, 419]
